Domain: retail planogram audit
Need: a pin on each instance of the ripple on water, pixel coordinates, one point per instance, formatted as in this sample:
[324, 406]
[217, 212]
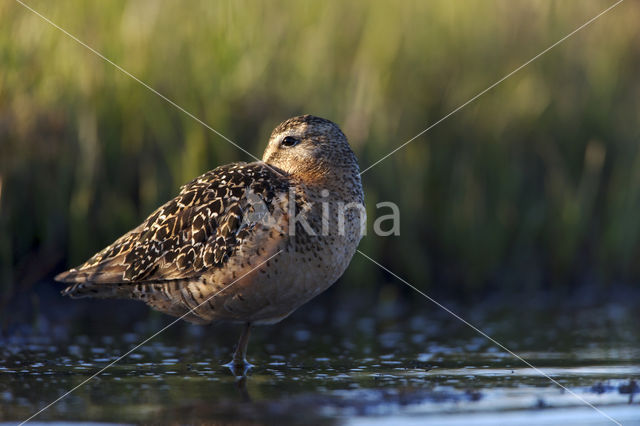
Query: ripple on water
[422, 375]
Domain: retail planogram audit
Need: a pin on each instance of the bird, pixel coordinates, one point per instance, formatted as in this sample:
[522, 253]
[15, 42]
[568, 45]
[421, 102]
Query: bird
[244, 243]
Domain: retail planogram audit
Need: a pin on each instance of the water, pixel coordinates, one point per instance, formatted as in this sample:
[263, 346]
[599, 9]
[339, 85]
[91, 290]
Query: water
[342, 369]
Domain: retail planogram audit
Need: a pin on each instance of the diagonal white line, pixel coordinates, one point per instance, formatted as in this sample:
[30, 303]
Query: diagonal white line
[251, 155]
[493, 85]
[124, 71]
[476, 329]
[191, 310]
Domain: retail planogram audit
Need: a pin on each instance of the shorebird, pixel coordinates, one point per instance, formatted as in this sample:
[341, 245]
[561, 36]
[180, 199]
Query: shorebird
[243, 243]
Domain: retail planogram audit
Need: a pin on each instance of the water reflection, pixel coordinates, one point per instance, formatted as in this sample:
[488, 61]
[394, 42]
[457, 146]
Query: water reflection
[418, 366]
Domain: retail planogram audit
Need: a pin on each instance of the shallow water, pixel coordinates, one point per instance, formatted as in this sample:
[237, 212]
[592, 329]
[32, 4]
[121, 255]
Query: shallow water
[400, 369]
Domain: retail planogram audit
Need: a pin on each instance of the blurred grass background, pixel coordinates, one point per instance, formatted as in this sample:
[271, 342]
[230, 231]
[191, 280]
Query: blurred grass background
[536, 185]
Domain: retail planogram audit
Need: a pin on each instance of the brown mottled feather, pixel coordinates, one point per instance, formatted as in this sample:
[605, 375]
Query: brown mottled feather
[199, 229]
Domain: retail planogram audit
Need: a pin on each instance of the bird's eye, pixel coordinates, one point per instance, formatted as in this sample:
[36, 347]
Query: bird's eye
[290, 141]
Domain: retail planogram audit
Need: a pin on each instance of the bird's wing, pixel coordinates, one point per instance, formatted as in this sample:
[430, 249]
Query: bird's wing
[199, 229]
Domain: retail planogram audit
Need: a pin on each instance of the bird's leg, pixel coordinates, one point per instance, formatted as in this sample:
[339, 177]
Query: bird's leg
[239, 363]
[240, 356]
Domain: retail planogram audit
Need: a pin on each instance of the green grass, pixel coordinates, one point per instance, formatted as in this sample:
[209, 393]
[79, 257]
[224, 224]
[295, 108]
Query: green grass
[537, 183]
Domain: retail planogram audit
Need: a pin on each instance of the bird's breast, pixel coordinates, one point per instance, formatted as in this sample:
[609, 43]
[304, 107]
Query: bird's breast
[286, 262]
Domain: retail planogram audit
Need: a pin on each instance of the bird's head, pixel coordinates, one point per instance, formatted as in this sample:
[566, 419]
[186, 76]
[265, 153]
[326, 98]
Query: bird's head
[310, 147]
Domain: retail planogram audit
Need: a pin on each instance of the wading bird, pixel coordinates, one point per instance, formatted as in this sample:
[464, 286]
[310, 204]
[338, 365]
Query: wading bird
[246, 242]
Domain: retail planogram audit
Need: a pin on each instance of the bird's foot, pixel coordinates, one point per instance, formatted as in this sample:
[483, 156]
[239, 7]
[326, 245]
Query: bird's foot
[239, 368]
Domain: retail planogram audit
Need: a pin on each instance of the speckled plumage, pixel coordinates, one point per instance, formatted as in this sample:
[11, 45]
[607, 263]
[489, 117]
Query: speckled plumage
[214, 233]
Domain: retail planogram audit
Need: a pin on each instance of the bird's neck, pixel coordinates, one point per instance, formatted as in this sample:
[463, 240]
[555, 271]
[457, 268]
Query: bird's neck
[335, 183]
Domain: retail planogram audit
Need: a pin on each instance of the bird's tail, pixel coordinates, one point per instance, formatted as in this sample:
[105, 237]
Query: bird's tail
[157, 295]
[97, 283]
[102, 291]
